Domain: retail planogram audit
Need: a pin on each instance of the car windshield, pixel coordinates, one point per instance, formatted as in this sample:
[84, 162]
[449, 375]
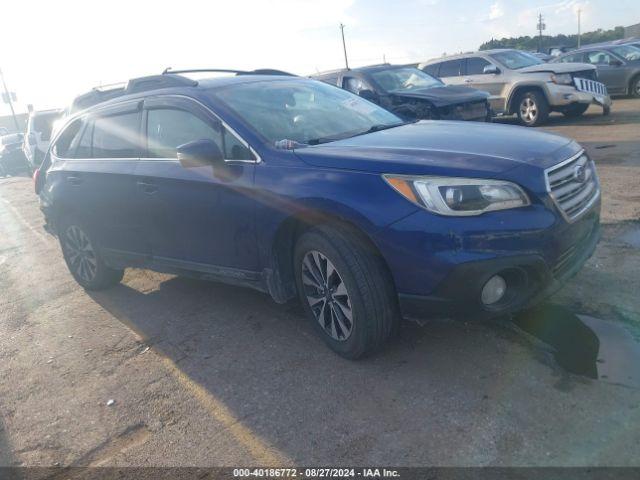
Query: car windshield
[627, 52]
[515, 60]
[304, 111]
[404, 79]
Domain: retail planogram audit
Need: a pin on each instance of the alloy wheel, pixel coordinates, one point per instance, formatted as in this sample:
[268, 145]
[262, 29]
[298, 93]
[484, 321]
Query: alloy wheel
[327, 295]
[528, 110]
[80, 252]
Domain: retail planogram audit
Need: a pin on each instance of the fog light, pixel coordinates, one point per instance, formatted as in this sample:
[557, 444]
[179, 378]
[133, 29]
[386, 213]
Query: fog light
[493, 290]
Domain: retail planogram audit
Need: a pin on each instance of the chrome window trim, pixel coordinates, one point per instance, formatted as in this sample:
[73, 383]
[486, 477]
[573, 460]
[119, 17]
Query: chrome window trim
[224, 124]
[588, 206]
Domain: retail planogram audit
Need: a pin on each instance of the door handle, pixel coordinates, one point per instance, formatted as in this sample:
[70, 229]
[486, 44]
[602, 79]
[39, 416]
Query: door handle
[73, 180]
[147, 187]
[468, 80]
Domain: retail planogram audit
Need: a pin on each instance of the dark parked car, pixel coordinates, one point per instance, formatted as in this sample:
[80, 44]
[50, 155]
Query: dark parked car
[12, 159]
[294, 187]
[411, 93]
[618, 66]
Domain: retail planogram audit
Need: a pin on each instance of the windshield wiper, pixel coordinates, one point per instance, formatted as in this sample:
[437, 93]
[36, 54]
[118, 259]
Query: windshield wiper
[373, 128]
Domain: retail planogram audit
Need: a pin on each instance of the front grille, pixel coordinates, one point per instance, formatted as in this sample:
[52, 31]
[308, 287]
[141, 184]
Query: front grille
[590, 86]
[573, 185]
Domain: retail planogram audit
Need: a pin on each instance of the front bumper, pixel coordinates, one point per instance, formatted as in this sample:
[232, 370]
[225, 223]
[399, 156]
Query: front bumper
[531, 278]
[565, 95]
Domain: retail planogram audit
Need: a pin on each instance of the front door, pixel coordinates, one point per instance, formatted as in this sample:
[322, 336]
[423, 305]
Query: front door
[492, 83]
[202, 216]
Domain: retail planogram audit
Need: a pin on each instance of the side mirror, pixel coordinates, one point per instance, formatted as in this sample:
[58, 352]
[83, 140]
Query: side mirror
[614, 62]
[369, 95]
[199, 153]
[491, 70]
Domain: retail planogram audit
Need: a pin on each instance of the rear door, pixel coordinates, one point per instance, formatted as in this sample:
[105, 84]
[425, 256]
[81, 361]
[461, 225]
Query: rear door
[196, 217]
[98, 172]
[450, 72]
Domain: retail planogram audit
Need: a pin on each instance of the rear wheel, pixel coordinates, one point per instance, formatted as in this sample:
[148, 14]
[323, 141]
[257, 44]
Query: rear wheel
[83, 258]
[575, 110]
[634, 89]
[345, 290]
[533, 108]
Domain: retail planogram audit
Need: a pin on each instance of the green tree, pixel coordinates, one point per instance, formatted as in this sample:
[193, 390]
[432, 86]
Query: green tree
[531, 43]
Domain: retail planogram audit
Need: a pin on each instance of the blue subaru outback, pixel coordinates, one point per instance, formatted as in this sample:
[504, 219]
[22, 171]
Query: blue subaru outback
[298, 188]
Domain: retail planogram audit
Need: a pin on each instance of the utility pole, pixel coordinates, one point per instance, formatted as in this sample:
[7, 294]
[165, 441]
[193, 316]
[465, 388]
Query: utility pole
[541, 27]
[344, 46]
[6, 91]
[579, 12]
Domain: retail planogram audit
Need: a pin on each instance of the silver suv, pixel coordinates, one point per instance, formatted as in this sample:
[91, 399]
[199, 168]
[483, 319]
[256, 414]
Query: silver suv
[522, 84]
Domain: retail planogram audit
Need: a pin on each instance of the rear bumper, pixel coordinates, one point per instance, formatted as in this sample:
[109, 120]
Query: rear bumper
[530, 278]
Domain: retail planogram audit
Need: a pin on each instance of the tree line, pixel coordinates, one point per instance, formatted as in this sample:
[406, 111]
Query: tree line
[532, 43]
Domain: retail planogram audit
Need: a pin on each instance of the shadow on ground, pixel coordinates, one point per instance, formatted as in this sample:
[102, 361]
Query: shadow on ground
[266, 364]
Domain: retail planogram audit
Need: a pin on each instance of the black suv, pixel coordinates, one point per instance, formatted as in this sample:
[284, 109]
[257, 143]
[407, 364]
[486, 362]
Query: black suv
[411, 93]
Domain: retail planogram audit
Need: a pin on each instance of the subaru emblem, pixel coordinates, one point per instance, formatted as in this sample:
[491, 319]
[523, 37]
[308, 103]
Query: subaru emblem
[580, 173]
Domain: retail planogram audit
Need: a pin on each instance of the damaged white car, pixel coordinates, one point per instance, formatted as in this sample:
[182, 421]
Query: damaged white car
[521, 84]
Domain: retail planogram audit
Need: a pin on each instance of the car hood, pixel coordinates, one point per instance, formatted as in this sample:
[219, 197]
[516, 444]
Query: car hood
[444, 95]
[557, 68]
[442, 147]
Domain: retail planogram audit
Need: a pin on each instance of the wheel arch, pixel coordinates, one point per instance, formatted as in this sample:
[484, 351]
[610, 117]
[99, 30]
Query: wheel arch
[632, 80]
[280, 276]
[519, 90]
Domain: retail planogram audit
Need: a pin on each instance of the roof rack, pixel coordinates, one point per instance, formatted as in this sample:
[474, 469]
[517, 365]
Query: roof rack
[259, 71]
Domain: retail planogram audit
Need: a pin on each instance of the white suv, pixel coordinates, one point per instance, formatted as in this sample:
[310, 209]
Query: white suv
[38, 135]
[521, 84]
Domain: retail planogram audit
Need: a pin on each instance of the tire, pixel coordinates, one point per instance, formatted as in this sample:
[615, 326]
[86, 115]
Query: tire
[575, 110]
[362, 305]
[83, 258]
[634, 87]
[532, 108]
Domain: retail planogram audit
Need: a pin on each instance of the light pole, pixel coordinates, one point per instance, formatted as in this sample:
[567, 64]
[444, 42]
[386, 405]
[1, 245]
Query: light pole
[579, 12]
[6, 91]
[541, 27]
[344, 46]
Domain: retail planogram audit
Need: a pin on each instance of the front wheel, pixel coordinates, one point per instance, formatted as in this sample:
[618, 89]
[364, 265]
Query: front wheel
[83, 258]
[533, 109]
[345, 290]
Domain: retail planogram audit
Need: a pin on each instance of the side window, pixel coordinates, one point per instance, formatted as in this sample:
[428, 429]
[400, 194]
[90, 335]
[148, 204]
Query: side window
[83, 146]
[575, 58]
[599, 58]
[63, 146]
[450, 68]
[234, 148]
[432, 69]
[168, 128]
[116, 136]
[355, 85]
[330, 79]
[475, 65]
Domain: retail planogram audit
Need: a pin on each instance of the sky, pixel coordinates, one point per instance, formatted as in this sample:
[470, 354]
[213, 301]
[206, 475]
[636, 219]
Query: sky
[51, 51]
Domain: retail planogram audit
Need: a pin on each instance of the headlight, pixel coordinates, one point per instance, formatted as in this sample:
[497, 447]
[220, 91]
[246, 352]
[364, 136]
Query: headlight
[459, 196]
[562, 78]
